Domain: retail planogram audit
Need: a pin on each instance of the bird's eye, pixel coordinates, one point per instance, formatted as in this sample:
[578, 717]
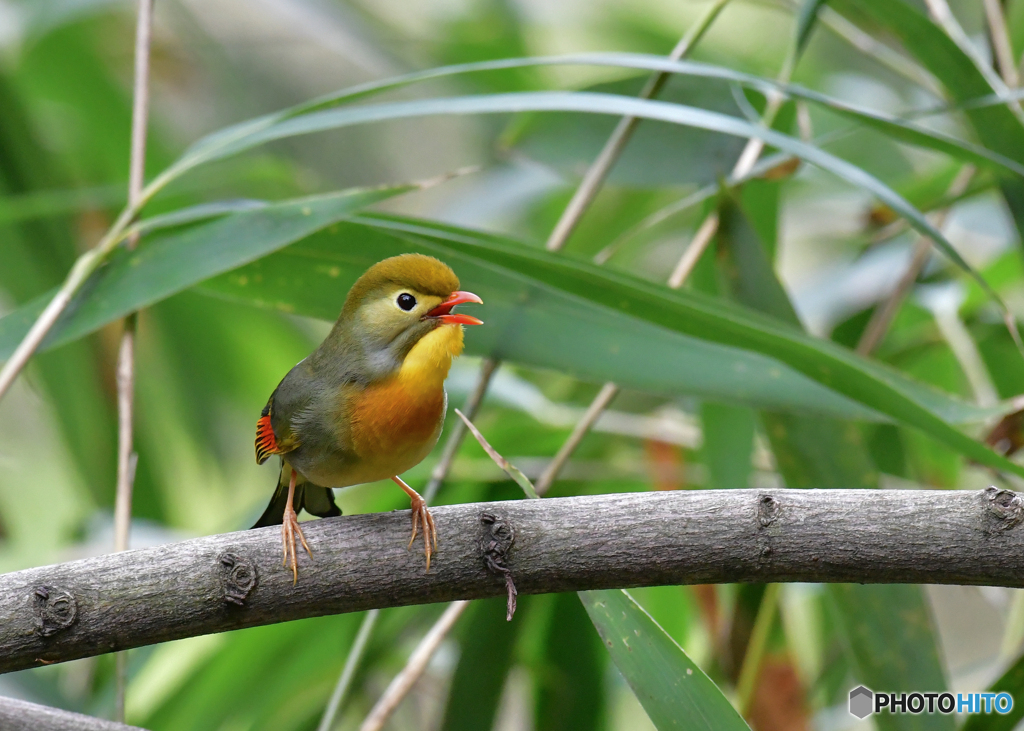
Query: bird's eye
[406, 301]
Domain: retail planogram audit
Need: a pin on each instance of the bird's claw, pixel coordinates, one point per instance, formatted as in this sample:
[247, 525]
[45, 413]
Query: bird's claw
[421, 515]
[289, 528]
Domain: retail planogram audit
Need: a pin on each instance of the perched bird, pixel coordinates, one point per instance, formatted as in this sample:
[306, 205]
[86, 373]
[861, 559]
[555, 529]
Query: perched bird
[368, 404]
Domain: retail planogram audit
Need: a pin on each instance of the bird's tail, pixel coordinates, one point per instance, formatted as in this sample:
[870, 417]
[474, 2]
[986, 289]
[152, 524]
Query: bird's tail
[316, 500]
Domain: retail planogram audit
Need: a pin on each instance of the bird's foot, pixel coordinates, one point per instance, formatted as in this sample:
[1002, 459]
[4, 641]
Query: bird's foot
[420, 517]
[289, 529]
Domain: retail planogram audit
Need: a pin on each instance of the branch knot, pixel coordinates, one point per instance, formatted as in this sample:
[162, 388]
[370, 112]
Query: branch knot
[239, 577]
[1005, 505]
[55, 610]
[499, 535]
[768, 509]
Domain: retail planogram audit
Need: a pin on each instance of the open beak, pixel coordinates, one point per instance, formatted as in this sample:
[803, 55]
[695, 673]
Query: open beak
[443, 311]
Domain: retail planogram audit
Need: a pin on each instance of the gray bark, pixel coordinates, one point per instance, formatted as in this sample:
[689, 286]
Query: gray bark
[18, 715]
[225, 582]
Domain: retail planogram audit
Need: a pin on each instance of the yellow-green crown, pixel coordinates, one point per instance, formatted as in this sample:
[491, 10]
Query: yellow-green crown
[418, 272]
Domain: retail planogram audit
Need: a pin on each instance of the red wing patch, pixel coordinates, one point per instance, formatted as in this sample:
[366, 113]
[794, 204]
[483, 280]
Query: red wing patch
[266, 442]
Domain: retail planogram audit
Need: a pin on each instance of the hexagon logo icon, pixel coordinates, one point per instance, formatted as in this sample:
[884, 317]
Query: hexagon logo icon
[861, 702]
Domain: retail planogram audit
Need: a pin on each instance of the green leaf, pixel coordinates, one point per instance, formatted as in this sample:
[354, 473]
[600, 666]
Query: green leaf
[167, 264]
[328, 119]
[287, 122]
[872, 384]
[997, 127]
[563, 296]
[728, 445]
[805, 20]
[324, 114]
[657, 154]
[675, 692]
[535, 324]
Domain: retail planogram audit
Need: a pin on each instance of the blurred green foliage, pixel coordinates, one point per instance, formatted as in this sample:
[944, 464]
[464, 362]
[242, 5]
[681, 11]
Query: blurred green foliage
[710, 403]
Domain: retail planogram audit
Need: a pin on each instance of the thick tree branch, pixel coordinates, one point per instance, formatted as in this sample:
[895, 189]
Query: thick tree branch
[18, 715]
[224, 582]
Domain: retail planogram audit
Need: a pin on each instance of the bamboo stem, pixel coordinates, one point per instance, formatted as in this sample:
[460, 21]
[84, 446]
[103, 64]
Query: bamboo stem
[126, 457]
[405, 680]
[349, 670]
[883, 316]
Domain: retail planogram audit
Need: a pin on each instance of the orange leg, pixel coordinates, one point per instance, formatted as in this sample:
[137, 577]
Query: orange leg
[420, 514]
[289, 529]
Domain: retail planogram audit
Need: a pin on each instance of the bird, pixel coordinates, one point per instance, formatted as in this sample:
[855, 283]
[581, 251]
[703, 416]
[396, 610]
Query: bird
[369, 403]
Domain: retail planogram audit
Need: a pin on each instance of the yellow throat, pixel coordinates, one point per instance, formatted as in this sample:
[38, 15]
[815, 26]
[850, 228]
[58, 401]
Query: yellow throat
[427, 364]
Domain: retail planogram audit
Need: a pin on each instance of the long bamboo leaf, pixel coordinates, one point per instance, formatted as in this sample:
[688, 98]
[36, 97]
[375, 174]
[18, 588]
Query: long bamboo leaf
[169, 264]
[535, 324]
[223, 142]
[872, 384]
[527, 323]
[675, 692]
[254, 134]
[635, 308]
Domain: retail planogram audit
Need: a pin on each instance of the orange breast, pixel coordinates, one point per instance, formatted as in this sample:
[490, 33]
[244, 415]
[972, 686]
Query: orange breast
[392, 420]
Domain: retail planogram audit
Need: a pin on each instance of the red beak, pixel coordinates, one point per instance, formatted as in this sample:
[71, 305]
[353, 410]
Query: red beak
[443, 311]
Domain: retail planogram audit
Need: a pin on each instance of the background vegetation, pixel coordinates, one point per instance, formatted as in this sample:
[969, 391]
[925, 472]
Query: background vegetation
[720, 389]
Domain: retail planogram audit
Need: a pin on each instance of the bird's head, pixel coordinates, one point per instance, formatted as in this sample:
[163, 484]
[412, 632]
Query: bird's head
[399, 301]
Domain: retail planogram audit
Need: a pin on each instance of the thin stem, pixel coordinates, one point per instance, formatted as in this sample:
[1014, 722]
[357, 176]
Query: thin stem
[868, 45]
[694, 251]
[751, 667]
[451, 447]
[747, 159]
[140, 105]
[604, 397]
[1001, 43]
[349, 671]
[964, 350]
[85, 266]
[126, 457]
[404, 681]
[883, 316]
[940, 11]
[598, 171]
